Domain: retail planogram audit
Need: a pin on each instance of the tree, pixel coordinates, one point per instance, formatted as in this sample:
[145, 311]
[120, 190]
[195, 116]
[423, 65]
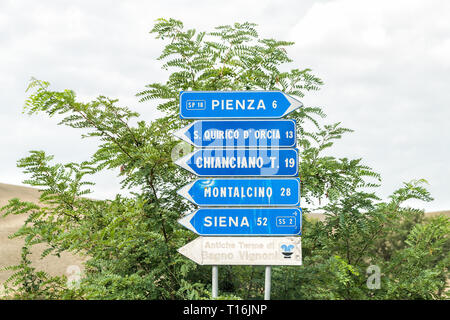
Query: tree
[131, 242]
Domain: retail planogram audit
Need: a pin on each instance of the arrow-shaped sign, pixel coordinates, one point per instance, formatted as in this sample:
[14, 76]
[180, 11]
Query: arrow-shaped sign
[241, 162]
[244, 251]
[236, 104]
[238, 133]
[244, 221]
[243, 192]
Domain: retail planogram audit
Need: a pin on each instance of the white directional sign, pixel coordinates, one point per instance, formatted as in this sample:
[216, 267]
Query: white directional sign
[282, 251]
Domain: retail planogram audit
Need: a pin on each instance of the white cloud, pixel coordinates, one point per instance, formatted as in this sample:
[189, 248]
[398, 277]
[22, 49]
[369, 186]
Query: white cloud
[385, 65]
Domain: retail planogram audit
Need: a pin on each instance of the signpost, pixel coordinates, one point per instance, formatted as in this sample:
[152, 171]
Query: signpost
[243, 192]
[239, 133]
[241, 221]
[236, 104]
[244, 221]
[241, 162]
[267, 251]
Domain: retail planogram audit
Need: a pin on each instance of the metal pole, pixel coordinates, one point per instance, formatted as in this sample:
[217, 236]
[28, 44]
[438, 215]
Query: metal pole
[267, 283]
[215, 281]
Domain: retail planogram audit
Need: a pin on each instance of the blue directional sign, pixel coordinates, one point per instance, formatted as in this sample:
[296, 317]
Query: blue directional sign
[241, 162]
[243, 192]
[236, 104]
[238, 133]
[244, 221]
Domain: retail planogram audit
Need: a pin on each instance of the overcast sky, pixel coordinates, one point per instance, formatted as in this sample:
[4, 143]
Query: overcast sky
[385, 64]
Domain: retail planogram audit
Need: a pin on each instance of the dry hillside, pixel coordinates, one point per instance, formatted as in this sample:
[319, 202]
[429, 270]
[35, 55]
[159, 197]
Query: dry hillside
[10, 248]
